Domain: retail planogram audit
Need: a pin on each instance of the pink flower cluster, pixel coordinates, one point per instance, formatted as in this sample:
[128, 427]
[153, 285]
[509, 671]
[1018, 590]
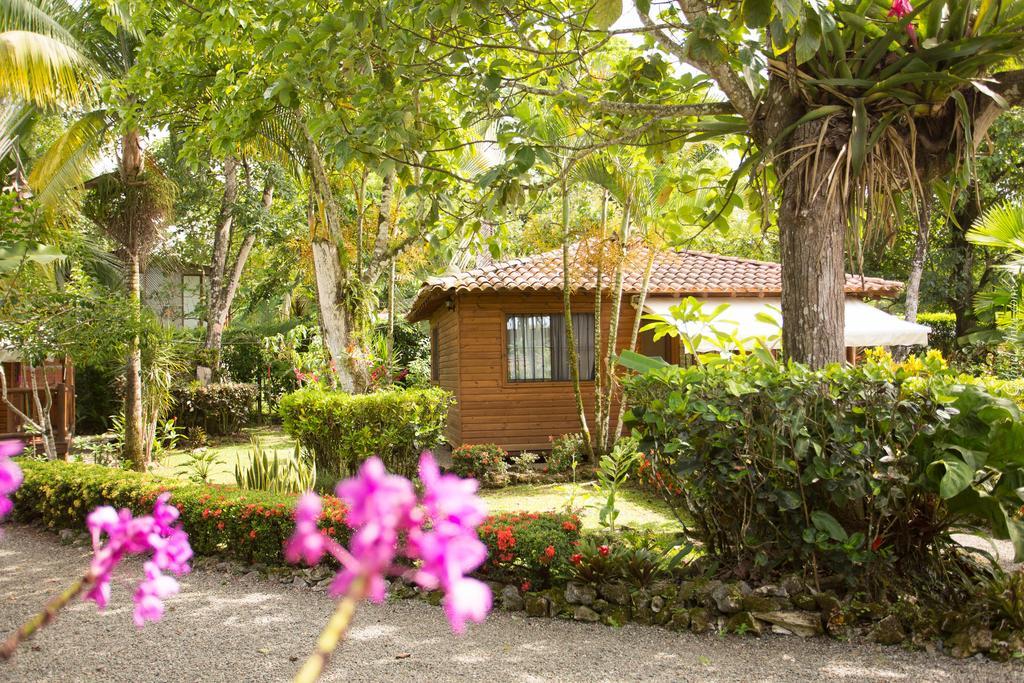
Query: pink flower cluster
[127, 535]
[10, 474]
[439, 530]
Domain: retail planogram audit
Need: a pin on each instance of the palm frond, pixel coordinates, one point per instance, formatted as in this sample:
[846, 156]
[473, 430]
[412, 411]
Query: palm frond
[69, 161]
[42, 70]
[1001, 227]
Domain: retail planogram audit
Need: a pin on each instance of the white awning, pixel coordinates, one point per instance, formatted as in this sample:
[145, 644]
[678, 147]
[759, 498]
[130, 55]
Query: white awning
[865, 324]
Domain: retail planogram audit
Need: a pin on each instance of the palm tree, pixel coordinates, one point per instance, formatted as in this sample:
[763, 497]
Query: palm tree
[65, 53]
[1002, 228]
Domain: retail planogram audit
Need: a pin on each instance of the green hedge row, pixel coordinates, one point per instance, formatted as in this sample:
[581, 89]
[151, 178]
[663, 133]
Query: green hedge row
[219, 409]
[943, 334]
[250, 526]
[342, 430]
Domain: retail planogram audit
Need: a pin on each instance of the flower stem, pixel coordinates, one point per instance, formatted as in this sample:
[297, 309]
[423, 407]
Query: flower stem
[45, 616]
[332, 634]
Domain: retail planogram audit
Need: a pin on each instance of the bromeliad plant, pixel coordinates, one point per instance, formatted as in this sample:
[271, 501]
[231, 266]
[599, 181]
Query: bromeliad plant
[115, 534]
[437, 530]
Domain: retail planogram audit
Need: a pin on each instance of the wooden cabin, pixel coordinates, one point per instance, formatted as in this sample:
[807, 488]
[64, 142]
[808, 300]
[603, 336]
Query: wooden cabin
[498, 342]
[59, 376]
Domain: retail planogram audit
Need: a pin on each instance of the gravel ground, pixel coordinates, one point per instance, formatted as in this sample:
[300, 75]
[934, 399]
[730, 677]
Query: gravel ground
[227, 628]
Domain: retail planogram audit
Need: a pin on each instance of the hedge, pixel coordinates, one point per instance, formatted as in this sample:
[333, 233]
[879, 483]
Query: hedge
[943, 334]
[250, 526]
[342, 430]
[219, 409]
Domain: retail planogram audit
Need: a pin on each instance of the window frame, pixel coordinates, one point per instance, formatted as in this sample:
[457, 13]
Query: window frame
[506, 379]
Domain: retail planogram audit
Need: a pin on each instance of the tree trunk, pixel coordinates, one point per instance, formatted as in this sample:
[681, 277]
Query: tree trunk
[222, 293]
[924, 220]
[570, 336]
[613, 329]
[964, 287]
[133, 418]
[811, 231]
[335, 322]
[219, 262]
[599, 434]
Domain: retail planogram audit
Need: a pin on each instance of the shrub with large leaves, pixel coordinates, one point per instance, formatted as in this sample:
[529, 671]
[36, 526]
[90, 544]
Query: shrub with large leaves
[857, 471]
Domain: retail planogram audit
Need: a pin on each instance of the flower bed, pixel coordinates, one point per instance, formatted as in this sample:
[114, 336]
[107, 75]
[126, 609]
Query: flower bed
[529, 548]
[250, 526]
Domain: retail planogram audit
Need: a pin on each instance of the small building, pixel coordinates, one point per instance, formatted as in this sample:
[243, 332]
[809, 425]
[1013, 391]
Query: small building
[59, 377]
[498, 341]
[174, 291]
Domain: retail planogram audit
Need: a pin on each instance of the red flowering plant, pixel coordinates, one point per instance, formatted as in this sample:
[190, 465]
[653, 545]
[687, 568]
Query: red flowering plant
[485, 462]
[596, 560]
[531, 547]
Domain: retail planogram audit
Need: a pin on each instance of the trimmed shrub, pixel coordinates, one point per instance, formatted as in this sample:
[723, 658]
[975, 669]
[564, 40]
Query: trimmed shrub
[219, 409]
[485, 462]
[342, 430]
[250, 526]
[943, 334]
[859, 471]
[530, 547]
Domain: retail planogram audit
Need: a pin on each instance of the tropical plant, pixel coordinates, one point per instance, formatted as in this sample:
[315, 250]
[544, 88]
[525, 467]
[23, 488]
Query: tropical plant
[275, 473]
[198, 464]
[1002, 228]
[613, 469]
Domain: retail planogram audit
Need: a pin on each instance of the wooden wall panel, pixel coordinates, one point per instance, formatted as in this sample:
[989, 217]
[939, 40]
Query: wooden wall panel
[447, 324]
[517, 415]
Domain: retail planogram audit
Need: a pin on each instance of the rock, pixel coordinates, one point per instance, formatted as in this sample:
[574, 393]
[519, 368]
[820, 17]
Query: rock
[680, 619]
[67, 536]
[727, 597]
[759, 603]
[600, 605]
[700, 620]
[969, 642]
[827, 603]
[617, 615]
[537, 605]
[803, 624]
[657, 604]
[770, 591]
[804, 601]
[511, 600]
[793, 585]
[580, 594]
[584, 613]
[742, 623]
[617, 593]
[433, 597]
[888, 631]
[704, 592]
[558, 607]
[664, 588]
[642, 613]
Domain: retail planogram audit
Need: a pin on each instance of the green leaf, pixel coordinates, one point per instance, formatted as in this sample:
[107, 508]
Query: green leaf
[858, 137]
[605, 13]
[632, 360]
[757, 13]
[827, 523]
[953, 475]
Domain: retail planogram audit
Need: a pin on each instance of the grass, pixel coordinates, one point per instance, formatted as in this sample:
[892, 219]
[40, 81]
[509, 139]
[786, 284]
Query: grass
[228, 451]
[637, 509]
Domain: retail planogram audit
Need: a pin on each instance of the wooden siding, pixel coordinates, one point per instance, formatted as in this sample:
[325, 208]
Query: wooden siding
[61, 379]
[447, 325]
[516, 415]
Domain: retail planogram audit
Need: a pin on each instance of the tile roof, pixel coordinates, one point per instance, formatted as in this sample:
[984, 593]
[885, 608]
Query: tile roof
[679, 273]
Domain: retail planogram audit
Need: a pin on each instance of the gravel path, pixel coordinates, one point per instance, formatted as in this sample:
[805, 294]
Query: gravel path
[226, 628]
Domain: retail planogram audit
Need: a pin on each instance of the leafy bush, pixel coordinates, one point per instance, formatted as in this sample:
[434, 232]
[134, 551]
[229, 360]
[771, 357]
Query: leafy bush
[220, 409]
[565, 451]
[943, 334]
[342, 430]
[221, 520]
[485, 462]
[529, 547]
[857, 471]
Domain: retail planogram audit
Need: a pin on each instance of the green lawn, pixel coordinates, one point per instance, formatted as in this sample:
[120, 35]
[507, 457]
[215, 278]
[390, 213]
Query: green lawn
[636, 508]
[228, 452]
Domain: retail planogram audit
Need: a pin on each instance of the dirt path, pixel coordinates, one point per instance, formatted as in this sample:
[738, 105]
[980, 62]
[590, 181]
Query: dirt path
[228, 628]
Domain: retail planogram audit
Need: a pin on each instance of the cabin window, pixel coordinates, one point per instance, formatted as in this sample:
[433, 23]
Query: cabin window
[536, 349]
[435, 354]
